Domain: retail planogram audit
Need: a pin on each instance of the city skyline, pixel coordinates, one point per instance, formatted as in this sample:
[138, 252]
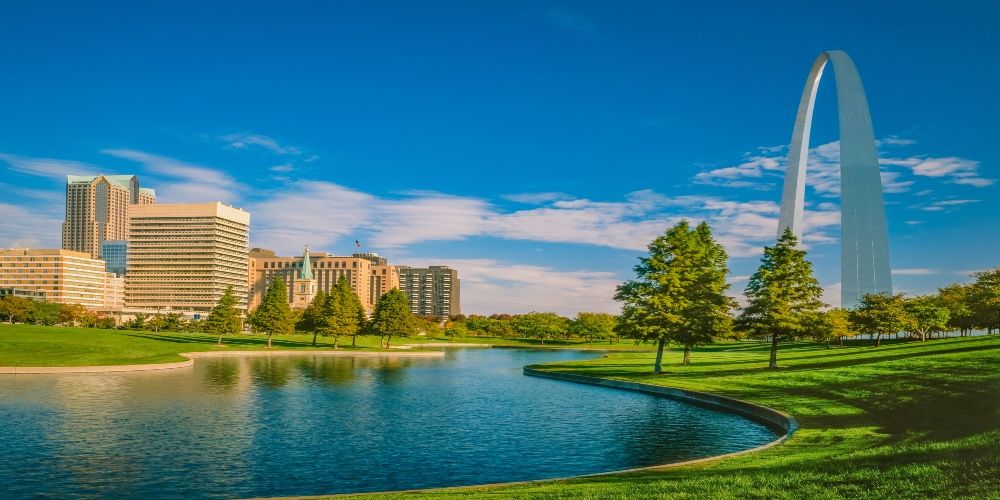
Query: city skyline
[495, 190]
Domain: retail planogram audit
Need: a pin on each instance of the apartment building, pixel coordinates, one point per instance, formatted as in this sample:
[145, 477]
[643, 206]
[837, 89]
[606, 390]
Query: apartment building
[183, 257]
[61, 276]
[433, 291]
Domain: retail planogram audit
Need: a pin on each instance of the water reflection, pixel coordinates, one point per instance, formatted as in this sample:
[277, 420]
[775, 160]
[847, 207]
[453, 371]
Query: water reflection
[269, 426]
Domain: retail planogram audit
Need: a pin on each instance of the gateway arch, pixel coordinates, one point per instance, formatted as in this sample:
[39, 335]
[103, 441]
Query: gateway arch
[864, 258]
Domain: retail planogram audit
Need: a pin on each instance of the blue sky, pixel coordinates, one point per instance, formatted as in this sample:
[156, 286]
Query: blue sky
[536, 147]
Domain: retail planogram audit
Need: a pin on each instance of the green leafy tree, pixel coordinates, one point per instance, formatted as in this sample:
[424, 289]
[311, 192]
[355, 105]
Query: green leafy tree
[273, 315]
[984, 299]
[15, 309]
[45, 313]
[70, 314]
[840, 324]
[174, 322]
[593, 325]
[955, 298]
[225, 318]
[679, 292]
[456, 329]
[783, 296]
[392, 317]
[138, 322]
[540, 325]
[926, 314]
[879, 314]
[501, 327]
[352, 313]
[312, 317]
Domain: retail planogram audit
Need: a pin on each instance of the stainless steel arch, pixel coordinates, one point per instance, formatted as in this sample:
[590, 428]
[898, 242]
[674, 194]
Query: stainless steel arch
[864, 258]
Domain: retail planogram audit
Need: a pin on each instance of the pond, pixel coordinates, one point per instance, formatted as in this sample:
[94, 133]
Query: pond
[307, 425]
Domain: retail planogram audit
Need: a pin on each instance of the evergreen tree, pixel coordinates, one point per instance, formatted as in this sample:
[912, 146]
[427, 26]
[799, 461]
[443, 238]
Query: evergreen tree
[312, 317]
[350, 313]
[783, 296]
[225, 318]
[392, 316]
[273, 315]
[679, 292]
[879, 314]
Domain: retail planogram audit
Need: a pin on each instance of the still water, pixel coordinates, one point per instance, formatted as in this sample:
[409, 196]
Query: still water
[304, 425]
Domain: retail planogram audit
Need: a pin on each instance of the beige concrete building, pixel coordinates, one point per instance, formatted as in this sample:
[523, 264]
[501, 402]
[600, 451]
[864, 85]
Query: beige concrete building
[433, 291]
[64, 276]
[384, 277]
[324, 269]
[182, 257]
[97, 209]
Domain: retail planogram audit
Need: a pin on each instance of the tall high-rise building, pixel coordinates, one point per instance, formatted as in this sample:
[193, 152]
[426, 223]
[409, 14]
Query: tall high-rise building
[433, 291]
[97, 209]
[63, 276]
[324, 269]
[183, 256]
[384, 277]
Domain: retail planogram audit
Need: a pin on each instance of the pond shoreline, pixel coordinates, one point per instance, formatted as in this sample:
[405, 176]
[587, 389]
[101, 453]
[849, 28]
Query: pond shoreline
[35, 370]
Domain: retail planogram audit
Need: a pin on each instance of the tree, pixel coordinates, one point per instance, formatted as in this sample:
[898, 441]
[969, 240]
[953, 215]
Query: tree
[69, 314]
[352, 313]
[984, 299]
[273, 315]
[879, 314]
[955, 298]
[593, 325]
[138, 322]
[926, 314]
[840, 324]
[679, 292]
[392, 316]
[15, 309]
[224, 318]
[783, 296]
[312, 317]
[44, 313]
[540, 325]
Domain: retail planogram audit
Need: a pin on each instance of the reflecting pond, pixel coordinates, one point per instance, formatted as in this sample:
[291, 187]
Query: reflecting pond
[307, 425]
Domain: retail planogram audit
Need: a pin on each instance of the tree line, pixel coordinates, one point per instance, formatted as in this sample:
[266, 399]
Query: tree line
[679, 297]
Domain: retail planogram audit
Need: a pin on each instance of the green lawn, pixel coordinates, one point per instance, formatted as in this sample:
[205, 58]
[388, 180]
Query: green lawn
[30, 345]
[906, 420]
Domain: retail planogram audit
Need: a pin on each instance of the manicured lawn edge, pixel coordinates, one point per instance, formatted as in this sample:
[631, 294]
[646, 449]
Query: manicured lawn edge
[24, 370]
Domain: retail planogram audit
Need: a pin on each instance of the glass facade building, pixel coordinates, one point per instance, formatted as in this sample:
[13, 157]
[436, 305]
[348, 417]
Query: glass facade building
[115, 255]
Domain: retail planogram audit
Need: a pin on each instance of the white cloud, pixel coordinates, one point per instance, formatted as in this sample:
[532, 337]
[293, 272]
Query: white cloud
[177, 181]
[284, 167]
[914, 272]
[535, 198]
[247, 140]
[942, 205]
[487, 287]
[48, 167]
[23, 228]
[831, 295]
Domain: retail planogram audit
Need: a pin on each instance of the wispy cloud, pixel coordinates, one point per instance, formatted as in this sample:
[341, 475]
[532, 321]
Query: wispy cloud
[914, 272]
[573, 21]
[180, 181]
[48, 167]
[248, 140]
[942, 205]
[487, 285]
[535, 198]
[23, 228]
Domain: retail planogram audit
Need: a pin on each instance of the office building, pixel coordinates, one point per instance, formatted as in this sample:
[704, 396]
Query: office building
[114, 253]
[62, 276]
[433, 291]
[183, 257]
[97, 209]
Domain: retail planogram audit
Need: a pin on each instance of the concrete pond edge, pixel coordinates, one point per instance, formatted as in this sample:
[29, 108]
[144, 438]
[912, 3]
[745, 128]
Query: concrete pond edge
[33, 370]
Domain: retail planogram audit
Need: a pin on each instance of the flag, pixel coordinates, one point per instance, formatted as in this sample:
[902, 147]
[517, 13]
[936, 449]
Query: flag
[357, 243]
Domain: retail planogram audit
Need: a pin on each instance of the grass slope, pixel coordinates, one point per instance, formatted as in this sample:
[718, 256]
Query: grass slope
[906, 420]
[31, 345]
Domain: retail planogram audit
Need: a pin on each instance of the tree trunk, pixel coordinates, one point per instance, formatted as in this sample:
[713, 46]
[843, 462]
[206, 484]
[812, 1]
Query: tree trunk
[336, 341]
[543, 340]
[315, 334]
[354, 339]
[387, 340]
[687, 356]
[878, 339]
[269, 340]
[658, 367]
[773, 362]
[923, 336]
[840, 341]
[220, 340]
